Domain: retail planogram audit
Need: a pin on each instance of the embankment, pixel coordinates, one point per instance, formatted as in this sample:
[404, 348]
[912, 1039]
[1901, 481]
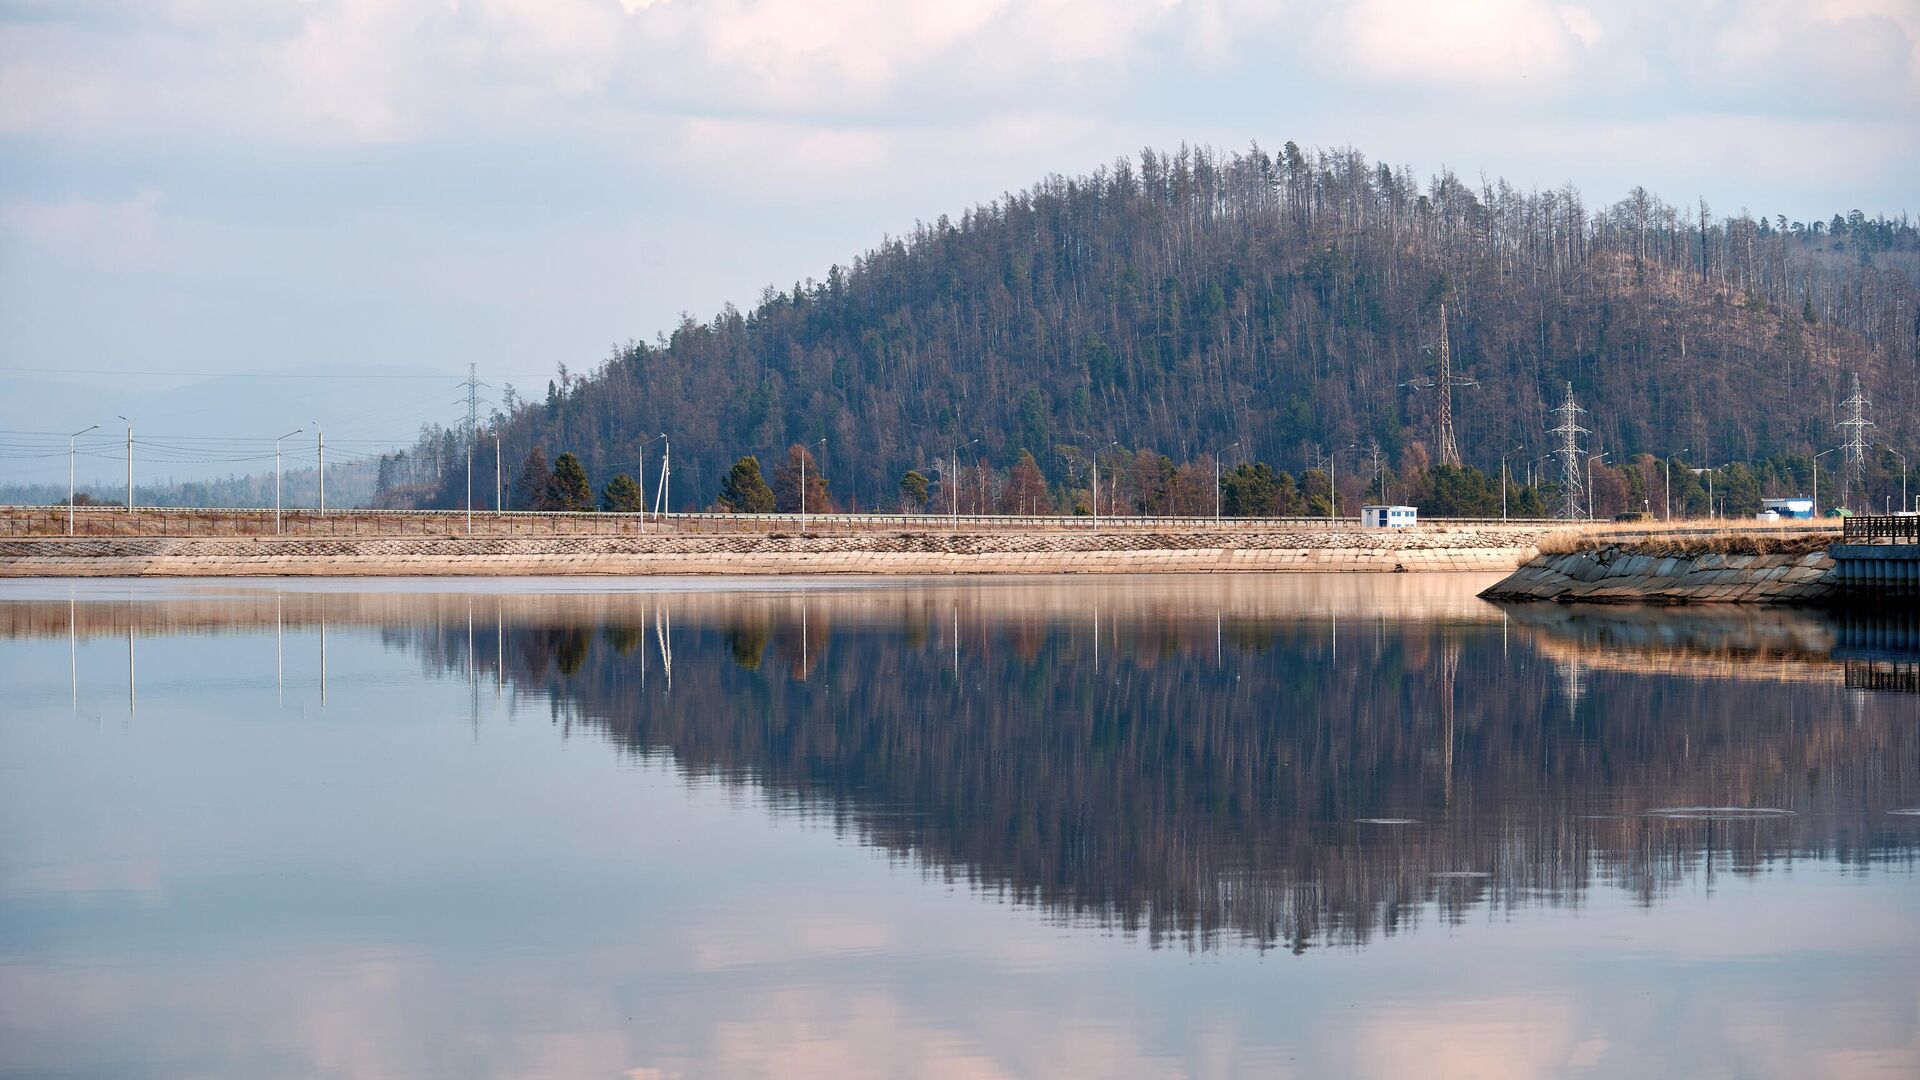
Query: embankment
[1749, 570]
[1466, 548]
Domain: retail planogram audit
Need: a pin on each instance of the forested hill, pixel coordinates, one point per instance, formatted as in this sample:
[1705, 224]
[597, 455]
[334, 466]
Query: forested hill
[1187, 301]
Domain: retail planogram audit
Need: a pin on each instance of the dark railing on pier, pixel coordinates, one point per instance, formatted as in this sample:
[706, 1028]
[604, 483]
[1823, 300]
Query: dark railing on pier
[1881, 528]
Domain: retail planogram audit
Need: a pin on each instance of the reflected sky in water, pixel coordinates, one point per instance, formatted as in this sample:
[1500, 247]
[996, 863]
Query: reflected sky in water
[1288, 826]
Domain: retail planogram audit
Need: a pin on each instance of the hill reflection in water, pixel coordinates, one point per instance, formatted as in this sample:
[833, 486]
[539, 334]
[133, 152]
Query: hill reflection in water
[1220, 760]
[1280, 762]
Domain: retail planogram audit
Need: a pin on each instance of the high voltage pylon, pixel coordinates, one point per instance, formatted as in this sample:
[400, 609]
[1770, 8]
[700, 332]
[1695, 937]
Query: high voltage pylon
[1444, 381]
[1573, 493]
[472, 386]
[1857, 424]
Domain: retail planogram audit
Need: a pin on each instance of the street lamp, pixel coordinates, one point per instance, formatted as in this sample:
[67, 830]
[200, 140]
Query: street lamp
[1503, 481]
[953, 501]
[1669, 496]
[1590, 457]
[276, 475]
[1816, 479]
[77, 434]
[1218, 496]
[803, 480]
[1333, 489]
[1903, 477]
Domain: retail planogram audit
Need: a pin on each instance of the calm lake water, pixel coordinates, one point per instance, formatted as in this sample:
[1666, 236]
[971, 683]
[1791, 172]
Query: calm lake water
[1229, 826]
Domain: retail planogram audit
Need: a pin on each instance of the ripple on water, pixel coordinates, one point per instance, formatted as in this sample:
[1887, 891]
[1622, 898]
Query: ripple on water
[1461, 875]
[1906, 811]
[1719, 813]
[1387, 821]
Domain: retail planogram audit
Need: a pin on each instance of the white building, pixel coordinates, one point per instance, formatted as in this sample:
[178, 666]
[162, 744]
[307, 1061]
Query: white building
[1389, 517]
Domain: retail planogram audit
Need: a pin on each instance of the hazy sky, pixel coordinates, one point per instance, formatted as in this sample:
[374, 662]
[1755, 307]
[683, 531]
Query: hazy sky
[229, 185]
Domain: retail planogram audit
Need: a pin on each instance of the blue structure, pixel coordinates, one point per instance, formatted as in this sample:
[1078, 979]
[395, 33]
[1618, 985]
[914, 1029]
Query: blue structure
[1796, 507]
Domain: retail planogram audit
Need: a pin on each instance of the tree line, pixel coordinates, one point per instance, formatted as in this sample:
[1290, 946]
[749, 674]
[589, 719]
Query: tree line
[1145, 483]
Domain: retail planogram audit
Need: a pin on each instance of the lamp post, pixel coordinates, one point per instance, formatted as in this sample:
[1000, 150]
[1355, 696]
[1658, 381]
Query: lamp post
[953, 500]
[1096, 482]
[1816, 479]
[496, 478]
[1219, 498]
[803, 480]
[1590, 457]
[1333, 489]
[83, 431]
[1668, 500]
[1503, 482]
[1903, 477]
[276, 476]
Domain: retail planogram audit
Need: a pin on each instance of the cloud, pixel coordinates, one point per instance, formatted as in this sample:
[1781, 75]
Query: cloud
[114, 236]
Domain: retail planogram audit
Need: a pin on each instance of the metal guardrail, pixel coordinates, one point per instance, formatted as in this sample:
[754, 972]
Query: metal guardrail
[106, 521]
[1881, 528]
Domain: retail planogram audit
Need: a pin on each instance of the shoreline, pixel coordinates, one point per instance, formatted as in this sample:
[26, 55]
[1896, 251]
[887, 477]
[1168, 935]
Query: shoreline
[1477, 548]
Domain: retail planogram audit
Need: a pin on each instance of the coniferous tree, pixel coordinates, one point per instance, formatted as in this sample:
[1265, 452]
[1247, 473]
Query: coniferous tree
[1026, 489]
[622, 495]
[914, 491]
[745, 491]
[569, 489]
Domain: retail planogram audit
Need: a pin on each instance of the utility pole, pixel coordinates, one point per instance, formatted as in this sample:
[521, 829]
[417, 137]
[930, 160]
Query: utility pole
[77, 434]
[1444, 381]
[129, 465]
[1857, 424]
[276, 477]
[1096, 482]
[496, 477]
[321, 443]
[666, 464]
[1572, 497]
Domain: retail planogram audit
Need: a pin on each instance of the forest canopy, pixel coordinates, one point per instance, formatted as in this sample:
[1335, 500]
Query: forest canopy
[1279, 303]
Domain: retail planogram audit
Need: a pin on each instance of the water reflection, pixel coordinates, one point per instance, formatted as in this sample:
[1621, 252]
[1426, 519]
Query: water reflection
[1279, 762]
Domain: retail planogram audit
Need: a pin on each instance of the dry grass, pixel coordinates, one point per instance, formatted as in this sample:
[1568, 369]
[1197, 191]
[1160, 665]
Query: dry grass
[1766, 538]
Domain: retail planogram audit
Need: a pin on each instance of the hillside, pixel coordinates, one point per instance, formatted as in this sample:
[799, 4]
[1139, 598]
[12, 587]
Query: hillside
[1187, 301]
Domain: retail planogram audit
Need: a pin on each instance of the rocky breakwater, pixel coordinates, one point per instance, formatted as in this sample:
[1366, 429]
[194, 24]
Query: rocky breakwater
[1480, 548]
[1712, 570]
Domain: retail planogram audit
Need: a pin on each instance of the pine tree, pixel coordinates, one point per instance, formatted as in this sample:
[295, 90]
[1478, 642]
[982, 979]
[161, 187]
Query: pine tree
[569, 489]
[914, 491]
[745, 491]
[622, 495]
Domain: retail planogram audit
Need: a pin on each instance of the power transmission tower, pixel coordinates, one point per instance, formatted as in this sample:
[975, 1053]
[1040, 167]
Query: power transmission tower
[472, 386]
[1857, 424]
[1573, 493]
[1444, 381]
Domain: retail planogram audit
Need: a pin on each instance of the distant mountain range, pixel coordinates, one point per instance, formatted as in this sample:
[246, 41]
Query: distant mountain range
[1284, 302]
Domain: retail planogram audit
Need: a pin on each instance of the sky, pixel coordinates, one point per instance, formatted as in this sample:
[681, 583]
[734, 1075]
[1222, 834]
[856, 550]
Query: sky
[358, 187]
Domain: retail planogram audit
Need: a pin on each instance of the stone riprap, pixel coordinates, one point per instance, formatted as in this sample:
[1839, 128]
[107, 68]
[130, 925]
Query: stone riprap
[1612, 576]
[1476, 548]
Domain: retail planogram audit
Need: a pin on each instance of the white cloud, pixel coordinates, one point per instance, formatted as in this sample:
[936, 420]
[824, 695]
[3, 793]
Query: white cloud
[1492, 42]
[113, 236]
